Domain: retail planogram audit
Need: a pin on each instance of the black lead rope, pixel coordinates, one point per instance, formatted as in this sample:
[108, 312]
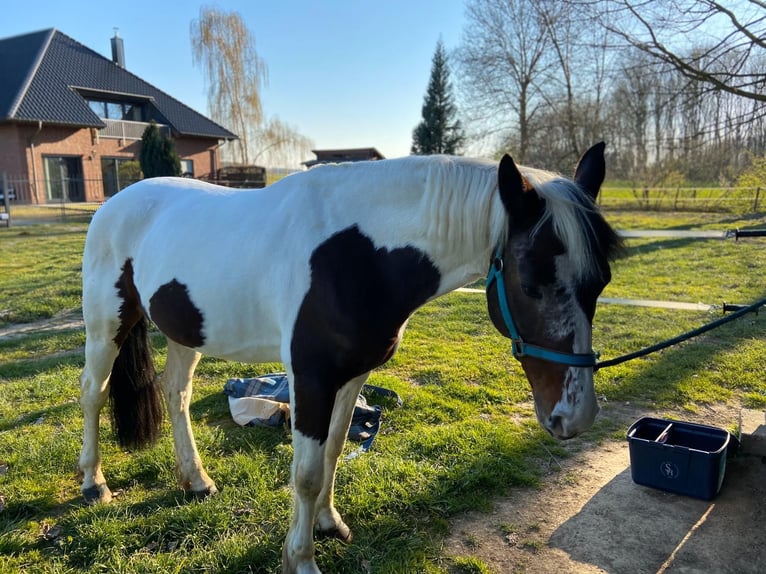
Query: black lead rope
[680, 338]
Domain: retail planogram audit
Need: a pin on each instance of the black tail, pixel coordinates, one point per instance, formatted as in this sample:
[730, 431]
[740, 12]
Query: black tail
[134, 391]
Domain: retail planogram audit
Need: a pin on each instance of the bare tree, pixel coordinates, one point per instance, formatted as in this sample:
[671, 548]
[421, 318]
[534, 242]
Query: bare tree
[503, 56]
[553, 75]
[235, 75]
[575, 84]
[560, 27]
[730, 32]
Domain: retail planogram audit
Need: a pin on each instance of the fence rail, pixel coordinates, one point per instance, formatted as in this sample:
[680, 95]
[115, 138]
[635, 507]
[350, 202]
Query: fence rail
[20, 201]
[127, 130]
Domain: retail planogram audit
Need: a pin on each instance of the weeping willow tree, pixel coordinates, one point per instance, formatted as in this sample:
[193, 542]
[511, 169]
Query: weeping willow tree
[235, 74]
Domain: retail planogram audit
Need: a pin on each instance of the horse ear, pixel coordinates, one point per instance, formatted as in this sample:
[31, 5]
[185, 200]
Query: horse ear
[520, 199]
[591, 169]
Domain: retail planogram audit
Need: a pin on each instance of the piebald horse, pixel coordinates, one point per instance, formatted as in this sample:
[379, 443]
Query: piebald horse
[321, 271]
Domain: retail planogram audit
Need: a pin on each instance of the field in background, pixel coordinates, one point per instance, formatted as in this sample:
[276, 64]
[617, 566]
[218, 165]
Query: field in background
[741, 200]
[693, 199]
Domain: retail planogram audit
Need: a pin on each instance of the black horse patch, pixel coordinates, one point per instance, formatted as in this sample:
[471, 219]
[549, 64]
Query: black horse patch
[349, 321]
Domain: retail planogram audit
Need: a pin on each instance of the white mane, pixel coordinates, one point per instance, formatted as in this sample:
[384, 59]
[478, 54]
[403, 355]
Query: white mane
[567, 207]
[465, 209]
[462, 204]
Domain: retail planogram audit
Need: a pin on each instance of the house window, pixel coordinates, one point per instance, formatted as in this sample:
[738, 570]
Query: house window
[98, 108]
[63, 178]
[112, 110]
[118, 173]
[187, 168]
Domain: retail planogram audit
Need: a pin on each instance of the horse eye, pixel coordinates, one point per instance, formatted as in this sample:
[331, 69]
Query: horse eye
[532, 292]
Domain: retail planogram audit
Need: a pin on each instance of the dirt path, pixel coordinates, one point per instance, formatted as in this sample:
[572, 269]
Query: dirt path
[591, 517]
[63, 321]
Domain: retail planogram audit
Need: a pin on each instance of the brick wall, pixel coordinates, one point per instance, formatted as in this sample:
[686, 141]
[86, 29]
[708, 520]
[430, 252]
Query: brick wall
[12, 150]
[203, 152]
[16, 155]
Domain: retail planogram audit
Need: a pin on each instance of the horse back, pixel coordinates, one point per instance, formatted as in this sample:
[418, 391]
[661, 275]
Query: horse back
[199, 252]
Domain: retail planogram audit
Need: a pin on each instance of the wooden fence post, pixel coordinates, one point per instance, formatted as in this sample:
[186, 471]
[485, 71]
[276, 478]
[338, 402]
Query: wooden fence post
[755, 201]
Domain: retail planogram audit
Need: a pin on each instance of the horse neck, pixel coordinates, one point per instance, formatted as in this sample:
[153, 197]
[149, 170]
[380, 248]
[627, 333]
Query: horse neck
[465, 219]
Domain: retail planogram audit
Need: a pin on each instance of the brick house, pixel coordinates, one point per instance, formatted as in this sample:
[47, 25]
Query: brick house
[71, 121]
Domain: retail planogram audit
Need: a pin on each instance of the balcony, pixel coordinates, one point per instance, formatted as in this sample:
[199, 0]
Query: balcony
[125, 130]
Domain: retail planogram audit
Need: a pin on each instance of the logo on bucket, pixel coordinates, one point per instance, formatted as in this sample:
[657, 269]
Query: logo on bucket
[669, 470]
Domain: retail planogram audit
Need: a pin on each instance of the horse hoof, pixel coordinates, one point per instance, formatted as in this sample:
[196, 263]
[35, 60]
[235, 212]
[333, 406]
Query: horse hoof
[342, 533]
[97, 494]
[202, 494]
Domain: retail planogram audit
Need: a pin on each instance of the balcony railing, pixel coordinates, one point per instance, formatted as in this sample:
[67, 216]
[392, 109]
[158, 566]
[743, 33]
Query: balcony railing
[125, 130]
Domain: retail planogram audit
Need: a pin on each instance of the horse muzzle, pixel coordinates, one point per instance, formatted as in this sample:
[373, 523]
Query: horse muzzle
[567, 420]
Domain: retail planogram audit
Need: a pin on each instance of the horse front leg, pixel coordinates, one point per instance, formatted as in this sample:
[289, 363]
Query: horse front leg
[328, 519]
[320, 422]
[312, 401]
[307, 475]
[177, 386]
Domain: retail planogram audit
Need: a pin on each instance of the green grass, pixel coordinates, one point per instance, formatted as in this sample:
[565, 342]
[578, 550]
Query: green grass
[39, 271]
[623, 195]
[465, 434]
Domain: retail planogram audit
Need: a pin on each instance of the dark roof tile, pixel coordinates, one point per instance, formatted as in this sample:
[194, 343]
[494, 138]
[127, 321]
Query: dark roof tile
[47, 70]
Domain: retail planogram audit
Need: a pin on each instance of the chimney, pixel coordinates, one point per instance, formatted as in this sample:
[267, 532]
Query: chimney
[118, 50]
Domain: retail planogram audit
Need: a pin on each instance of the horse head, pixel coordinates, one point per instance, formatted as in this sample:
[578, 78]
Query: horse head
[544, 281]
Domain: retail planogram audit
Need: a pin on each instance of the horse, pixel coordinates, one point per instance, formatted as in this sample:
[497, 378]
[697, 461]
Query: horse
[321, 271]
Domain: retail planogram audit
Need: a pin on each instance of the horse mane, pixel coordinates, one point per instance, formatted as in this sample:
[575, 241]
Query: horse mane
[461, 202]
[465, 209]
[576, 221]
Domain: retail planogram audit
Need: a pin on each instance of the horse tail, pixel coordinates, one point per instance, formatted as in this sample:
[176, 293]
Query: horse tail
[134, 391]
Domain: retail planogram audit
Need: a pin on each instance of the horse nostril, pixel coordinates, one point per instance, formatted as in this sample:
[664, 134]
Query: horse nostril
[557, 429]
[555, 425]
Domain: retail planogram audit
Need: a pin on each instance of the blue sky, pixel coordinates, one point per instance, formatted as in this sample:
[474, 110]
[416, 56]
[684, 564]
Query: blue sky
[344, 73]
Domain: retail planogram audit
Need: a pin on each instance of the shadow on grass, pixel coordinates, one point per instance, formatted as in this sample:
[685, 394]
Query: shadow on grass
[31, 418]
[396, 533]
[659, 380]
[28, 368]
[674, 243]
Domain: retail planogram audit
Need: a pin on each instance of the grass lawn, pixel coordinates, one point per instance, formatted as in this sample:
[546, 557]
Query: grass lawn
[465, 434]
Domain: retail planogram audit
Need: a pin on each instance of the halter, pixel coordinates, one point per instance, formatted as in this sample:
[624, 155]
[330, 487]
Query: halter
[518, 346]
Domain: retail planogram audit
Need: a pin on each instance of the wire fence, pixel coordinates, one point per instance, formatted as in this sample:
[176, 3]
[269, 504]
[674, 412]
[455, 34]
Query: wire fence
[702, 199]
[22, 203]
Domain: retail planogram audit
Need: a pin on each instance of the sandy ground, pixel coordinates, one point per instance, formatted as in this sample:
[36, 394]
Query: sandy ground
[589, 516]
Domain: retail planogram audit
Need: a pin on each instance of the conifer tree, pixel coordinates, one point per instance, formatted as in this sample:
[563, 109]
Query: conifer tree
[439, 131]
[158, 155]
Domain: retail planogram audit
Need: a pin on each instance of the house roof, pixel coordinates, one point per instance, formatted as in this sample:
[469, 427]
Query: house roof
[46, 73]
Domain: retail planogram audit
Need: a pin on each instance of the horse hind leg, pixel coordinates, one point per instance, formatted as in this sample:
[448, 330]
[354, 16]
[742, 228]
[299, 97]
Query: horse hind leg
[94, 391]
[124, 371]
[177, 386]
[118, 362]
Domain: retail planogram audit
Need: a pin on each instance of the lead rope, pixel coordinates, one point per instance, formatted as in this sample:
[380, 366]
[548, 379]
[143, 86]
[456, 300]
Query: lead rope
[680, 338]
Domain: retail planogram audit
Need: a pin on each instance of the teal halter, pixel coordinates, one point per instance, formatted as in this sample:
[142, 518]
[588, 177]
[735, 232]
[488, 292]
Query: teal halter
[518, 346]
